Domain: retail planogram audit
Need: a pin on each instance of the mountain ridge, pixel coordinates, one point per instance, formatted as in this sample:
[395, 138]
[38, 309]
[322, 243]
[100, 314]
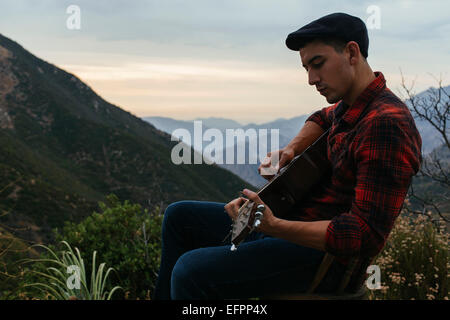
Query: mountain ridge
[64, 148]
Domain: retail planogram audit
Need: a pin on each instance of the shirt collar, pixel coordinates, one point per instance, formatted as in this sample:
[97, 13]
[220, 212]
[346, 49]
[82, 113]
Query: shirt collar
[352, 114]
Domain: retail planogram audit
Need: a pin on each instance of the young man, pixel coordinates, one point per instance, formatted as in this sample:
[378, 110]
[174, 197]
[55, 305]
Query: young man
[374, 149]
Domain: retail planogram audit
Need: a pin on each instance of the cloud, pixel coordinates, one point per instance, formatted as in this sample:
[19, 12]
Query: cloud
[228, 55]
[180, 71]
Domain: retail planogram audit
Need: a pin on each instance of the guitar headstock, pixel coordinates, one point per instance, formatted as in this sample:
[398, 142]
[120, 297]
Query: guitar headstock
[248, 218]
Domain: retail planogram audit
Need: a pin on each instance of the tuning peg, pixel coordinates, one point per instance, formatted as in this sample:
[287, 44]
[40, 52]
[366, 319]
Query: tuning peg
[258, 217]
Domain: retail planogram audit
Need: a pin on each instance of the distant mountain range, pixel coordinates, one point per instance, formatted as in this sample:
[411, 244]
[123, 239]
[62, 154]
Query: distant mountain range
[219, 123]
[288, 129]
[63, 148]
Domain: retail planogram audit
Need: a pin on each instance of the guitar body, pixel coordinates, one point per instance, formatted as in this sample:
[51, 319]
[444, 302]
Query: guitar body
[286, 188]
[296, 179]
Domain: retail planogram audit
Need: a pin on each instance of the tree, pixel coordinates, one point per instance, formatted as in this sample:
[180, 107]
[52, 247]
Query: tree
[433, 107]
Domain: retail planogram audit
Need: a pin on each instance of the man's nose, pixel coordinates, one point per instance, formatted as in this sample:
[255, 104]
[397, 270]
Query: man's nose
[313, 77]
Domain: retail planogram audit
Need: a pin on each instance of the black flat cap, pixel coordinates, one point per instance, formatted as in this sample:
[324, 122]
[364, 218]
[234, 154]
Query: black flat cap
[339, 25]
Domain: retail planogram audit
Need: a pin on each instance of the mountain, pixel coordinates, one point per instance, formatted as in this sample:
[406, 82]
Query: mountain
[219, 123]
[63, 148]
[287, 129]
[169, 125]
[249, 170]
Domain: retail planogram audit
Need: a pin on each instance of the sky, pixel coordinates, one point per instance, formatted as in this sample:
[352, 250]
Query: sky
[221, 58]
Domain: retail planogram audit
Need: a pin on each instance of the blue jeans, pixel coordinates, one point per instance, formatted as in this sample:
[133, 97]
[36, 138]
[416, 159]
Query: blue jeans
[197, 264]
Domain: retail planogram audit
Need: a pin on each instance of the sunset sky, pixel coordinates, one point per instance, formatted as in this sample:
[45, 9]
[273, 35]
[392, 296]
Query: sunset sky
[220, 58]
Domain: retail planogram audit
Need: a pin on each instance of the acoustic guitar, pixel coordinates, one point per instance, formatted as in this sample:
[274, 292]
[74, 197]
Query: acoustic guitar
[287, 188]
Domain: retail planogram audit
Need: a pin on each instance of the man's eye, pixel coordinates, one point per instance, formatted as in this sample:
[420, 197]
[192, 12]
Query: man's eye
[317, 65]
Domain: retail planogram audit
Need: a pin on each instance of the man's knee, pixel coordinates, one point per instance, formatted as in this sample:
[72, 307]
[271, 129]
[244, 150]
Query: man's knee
[175, 212]
[186, 282]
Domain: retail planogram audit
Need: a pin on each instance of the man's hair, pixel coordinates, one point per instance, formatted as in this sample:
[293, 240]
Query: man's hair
[337, 43]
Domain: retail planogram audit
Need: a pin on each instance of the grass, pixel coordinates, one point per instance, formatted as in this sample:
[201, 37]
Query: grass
[66, 277]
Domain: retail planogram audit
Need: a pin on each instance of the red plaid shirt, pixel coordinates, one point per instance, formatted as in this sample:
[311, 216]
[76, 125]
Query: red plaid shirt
[374, 149]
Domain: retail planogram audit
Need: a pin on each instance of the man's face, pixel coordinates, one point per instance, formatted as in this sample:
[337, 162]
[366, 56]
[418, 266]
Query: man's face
[328, 70]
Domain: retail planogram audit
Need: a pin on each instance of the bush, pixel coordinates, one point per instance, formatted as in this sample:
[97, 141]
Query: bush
[414, 262]
[12, 251]
[126, 238]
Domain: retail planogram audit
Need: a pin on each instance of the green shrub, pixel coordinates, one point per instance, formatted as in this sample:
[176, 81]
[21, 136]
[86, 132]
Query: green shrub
[126, 238]
[415, 261]
[12, 251]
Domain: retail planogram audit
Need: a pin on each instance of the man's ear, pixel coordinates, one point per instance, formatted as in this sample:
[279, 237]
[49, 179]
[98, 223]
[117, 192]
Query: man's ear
[353, 52]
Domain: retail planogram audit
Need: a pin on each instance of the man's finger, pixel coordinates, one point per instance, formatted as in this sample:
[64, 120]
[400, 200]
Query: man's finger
[242, 200]
[236, 203]
[253, 196]
[266, 161]
[283, 161]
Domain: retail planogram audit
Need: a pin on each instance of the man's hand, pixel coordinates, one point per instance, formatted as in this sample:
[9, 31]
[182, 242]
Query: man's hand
[268, 169]
[233, 206]
[305, 233]
[307, 135]
[268, 220]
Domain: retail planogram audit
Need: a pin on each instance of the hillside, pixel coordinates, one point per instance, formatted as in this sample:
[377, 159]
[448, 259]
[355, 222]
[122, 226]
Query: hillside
[436, 163]
[63, 148]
